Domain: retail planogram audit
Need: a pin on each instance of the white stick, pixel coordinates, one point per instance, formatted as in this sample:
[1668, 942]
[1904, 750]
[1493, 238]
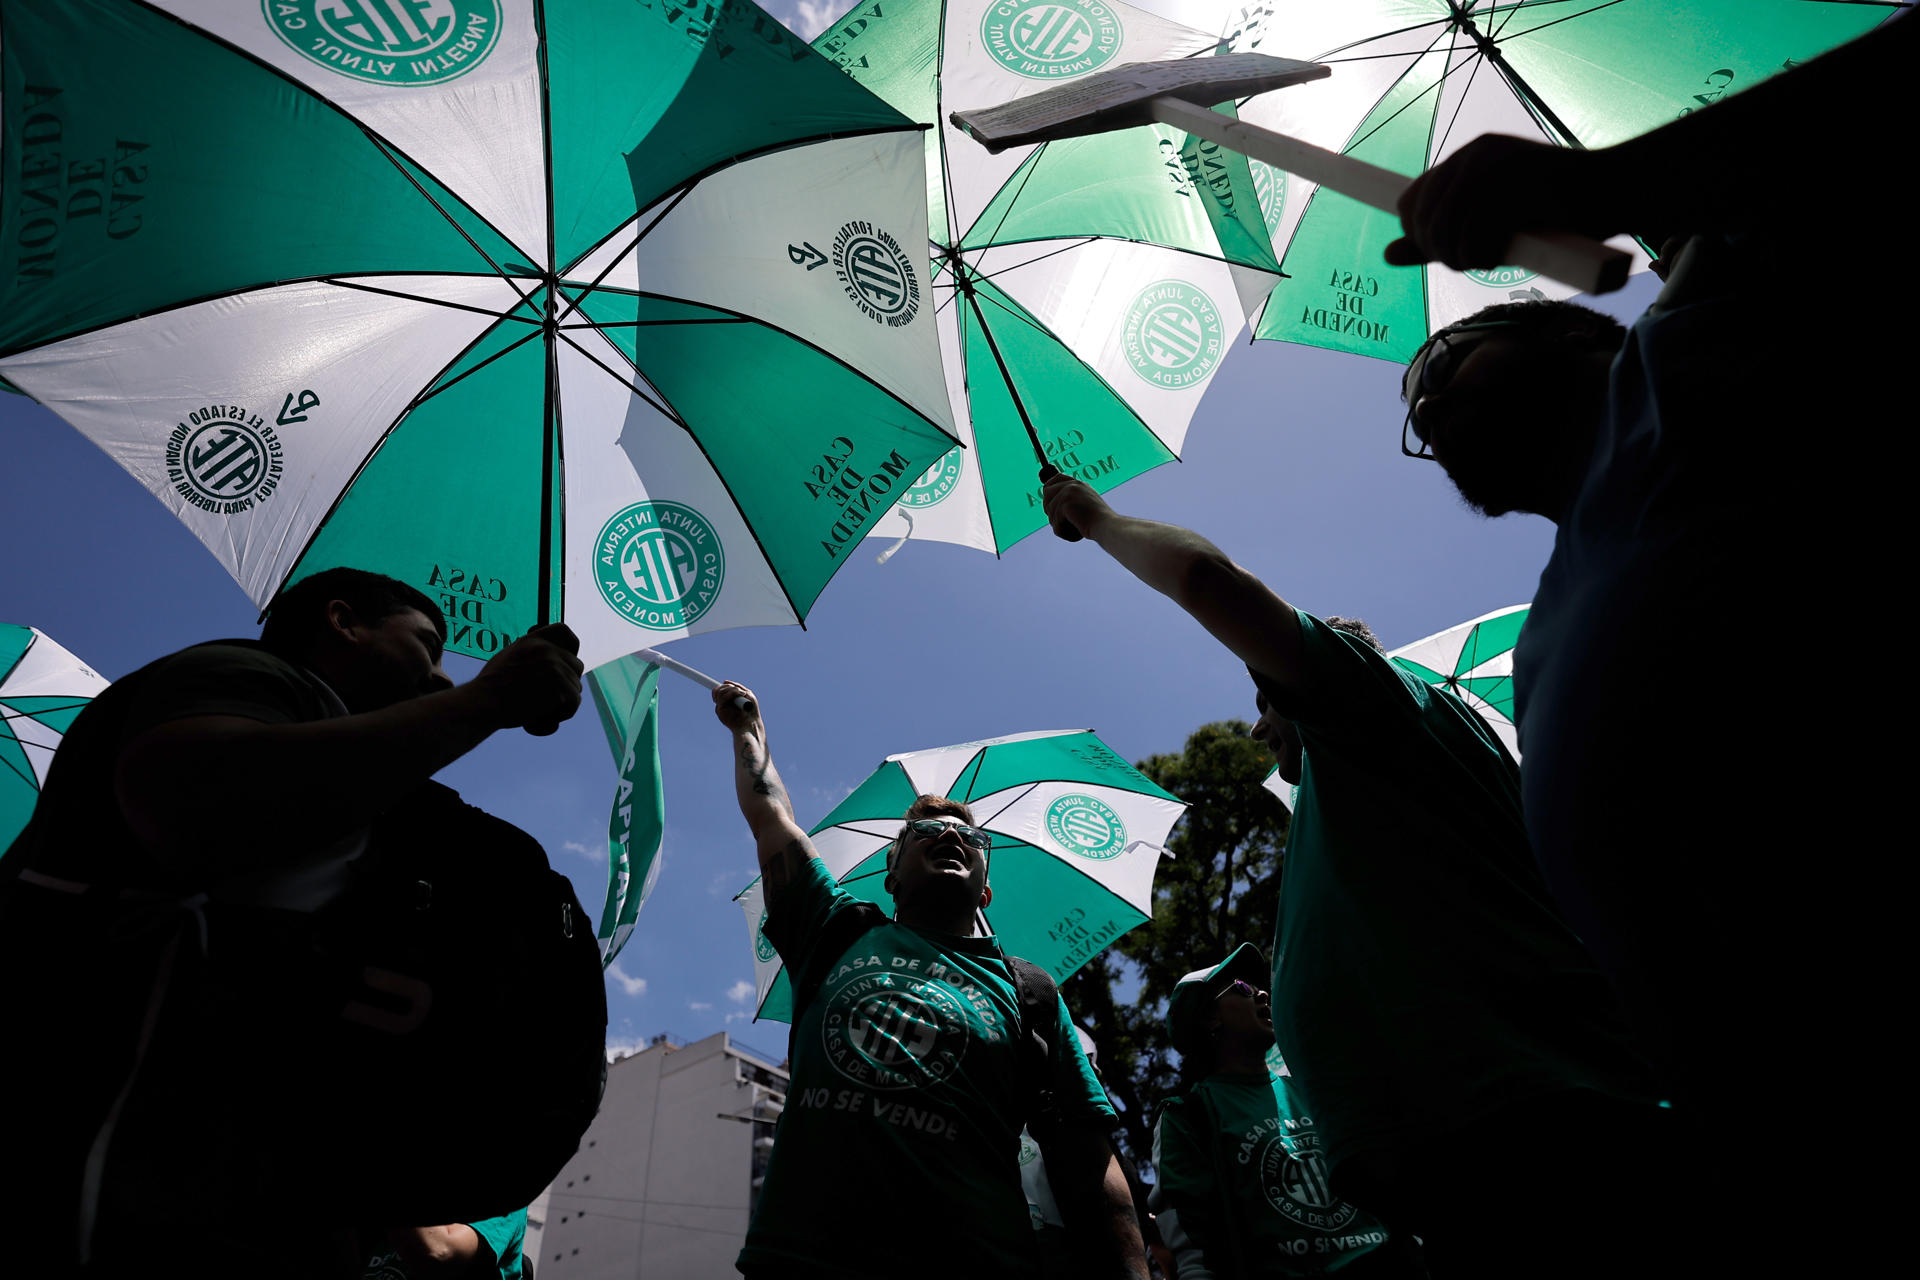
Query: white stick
[1586, 265]
[700, 678]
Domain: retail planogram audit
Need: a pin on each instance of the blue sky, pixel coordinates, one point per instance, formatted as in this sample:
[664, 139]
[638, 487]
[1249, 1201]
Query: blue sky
[1292, 466]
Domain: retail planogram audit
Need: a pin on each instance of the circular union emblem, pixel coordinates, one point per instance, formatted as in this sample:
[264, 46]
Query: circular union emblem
[407, 42]
[659, 565]
[224, 459]
[1051, 39]
[1294, 1177]
[1500, 277]
[1172, 335]
[1270, 185]
[761, 947]
[893, 1032]
[876, 273]
[1086, 826]
[1029, 1149]
[935, 483]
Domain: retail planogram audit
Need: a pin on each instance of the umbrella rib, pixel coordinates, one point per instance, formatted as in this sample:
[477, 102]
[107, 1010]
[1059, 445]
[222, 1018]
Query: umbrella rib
[436, 387]
[1030, 789]
[623, 381]
[1501, 34]
[1029, 167]
[438, 302]
[14, 769]
[1433, 88]
[1478, 62]
[1015, 266]
[33, 638]
[441, 210]
[573, 304]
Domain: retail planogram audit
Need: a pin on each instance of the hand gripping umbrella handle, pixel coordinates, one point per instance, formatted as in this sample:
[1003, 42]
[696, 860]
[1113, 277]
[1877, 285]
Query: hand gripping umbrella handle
[1062, 527]
[567, 641]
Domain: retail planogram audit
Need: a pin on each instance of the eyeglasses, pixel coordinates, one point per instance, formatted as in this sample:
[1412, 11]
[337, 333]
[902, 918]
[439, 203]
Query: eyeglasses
[933, 829]
[1237, 987]
[1437, 367]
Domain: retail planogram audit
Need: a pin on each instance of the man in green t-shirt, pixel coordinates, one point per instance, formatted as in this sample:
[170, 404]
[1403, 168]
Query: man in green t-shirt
[1466, 1064]
[483, 1250]
[898, 1151]
[1243, 1191]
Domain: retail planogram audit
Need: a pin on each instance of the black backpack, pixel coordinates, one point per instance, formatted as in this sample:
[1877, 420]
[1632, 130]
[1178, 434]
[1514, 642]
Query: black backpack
[426, 1048]
[1035, 993]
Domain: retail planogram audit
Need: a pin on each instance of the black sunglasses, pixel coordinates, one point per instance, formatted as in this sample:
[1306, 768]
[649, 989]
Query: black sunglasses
[1437, 367]
[933, 829]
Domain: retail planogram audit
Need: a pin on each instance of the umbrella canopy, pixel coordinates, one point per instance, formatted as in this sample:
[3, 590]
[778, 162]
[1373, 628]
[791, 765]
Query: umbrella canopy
[42, 689]
[1077, 834]
[1473, 661]
[1089, 288]
[592, 310]
[1414, 80]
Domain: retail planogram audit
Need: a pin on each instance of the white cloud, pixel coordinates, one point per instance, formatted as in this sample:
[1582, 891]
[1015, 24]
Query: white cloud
[634, 986]
[741, 1016]
[811, 17]
[740, 992]
[699, 1006]
[591, 852]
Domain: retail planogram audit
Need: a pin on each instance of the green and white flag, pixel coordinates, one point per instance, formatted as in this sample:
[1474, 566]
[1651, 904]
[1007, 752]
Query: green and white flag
[626, 693]
[1415, 80]
[1077, 835]
[1098, 281]
[42, 689]
[611, 312]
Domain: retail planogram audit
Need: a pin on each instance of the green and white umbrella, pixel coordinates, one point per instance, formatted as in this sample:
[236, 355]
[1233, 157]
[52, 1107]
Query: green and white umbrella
[1089, 287]
[1077, 834]
[1414, 80]
[1473, 661]
[605, 311]
[42, 689]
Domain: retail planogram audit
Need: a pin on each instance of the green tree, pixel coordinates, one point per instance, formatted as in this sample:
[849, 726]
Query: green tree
[1219, 889]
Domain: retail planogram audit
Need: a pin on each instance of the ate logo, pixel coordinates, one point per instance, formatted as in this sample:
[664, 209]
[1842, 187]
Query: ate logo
[1270, 185]
[659, 565]
[761, 947]
[1172, 335]
[404, 42]
[935, 483]
[1089, 827]
[1296, 1182]
[1050, 39]
[895, 1031]
[876, 273]
[224, 459]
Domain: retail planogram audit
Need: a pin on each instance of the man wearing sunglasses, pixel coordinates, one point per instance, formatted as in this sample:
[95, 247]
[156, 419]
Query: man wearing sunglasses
[1454, 1042]
[1242, 1190]
[915, 1063]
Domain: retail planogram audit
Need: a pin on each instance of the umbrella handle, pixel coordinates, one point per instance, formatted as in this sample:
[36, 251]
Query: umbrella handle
[547, 728]
[674, 665]
[1063, 527]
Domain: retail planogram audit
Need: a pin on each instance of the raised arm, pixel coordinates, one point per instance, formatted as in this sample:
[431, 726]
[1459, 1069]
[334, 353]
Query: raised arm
[1837, 117]
[779, 840]
[1239, 610]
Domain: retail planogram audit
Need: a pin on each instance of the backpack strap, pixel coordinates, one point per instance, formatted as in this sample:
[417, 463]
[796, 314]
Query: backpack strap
[1038, 997]
[842, 930]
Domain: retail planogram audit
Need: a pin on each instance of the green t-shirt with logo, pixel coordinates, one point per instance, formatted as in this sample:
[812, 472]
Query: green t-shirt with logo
[1421, 974]
[501, 1239]
[899, 1149]
[1243, 1187]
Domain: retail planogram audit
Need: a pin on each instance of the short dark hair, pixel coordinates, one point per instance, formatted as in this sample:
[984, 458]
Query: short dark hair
[1355, 627]
[298, 615]
[926, 806]
[1546, 320]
